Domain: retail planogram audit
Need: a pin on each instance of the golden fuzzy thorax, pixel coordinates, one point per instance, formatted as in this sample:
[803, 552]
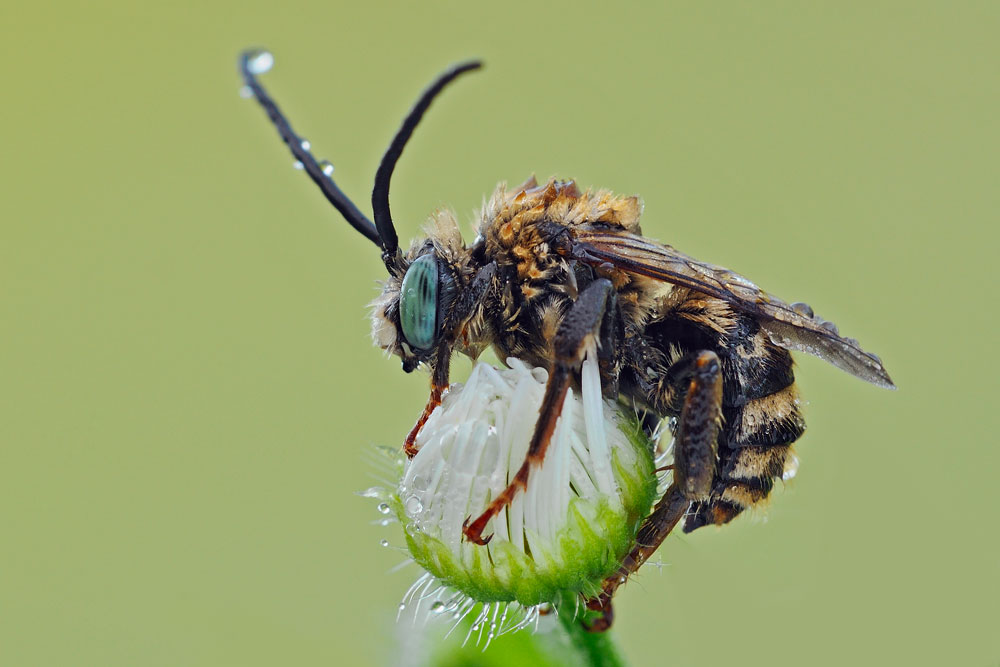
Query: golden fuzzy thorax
[560, 201]
[509, 223]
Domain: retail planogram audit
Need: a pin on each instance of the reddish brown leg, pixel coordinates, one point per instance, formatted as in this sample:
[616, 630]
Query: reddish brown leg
[695, 457]
[410, 444]
[439, 384]
[584, 321]
[667, 513]
[555, 393]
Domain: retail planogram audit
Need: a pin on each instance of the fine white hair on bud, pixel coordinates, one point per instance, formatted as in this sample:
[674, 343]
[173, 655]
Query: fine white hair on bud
[563, 535]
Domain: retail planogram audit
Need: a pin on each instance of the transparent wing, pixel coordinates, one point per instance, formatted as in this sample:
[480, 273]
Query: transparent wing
[793, 327]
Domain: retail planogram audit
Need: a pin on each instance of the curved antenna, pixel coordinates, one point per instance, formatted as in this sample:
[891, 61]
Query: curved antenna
[258, 61]
[380, 193]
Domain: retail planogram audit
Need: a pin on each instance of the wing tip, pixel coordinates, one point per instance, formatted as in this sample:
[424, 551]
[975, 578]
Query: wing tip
[883, 380]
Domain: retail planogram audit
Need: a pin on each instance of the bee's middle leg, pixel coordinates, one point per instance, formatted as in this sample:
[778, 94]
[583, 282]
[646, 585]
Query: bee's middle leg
[697, 380]
[593, 316]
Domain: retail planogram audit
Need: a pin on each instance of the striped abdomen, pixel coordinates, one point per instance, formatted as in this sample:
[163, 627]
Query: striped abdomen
[761, 416]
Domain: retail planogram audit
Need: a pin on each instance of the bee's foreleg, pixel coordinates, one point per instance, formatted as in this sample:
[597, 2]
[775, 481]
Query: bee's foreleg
[698, 377]
[439, 383]
[589, 318]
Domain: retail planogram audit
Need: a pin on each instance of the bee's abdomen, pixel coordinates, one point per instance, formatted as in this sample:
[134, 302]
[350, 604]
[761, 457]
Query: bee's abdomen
[760, 423]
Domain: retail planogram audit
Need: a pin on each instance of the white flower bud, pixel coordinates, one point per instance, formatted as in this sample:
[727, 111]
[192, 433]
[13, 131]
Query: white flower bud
[569, 529]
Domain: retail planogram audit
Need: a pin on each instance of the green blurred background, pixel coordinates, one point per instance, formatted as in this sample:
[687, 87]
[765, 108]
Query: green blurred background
[189, 389]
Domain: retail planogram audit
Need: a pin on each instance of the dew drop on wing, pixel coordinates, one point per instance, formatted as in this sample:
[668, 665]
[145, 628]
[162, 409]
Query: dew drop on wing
[830, 326]
[737, 279]
[305, 144]
[327, 167]
[803, 309]
[298, 165]
[791, 468]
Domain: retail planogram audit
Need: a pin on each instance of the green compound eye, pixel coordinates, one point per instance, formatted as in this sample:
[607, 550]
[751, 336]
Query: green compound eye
[418, 303]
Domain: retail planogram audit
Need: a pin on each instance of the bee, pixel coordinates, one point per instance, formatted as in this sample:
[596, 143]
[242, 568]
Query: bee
[554, 272]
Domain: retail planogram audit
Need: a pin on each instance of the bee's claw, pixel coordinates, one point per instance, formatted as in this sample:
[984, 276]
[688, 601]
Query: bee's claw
[474, 533]
[599, 623]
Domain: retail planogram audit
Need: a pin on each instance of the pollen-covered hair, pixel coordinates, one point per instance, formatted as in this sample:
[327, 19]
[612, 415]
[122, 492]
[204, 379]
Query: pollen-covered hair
[560, 201]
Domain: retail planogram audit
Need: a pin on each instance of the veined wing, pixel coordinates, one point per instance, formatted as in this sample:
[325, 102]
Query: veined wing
[791, 327]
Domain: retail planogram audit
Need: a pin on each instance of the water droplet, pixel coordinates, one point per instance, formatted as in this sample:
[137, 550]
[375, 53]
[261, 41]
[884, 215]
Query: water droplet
[305, 144]
[402, 606]
[438, 607]
[411, 528]
[384, 508]
[246, 92]
[830, 326]
[791, 468]
[298, 165]
[803, 309]
[384, 543]
[475, 627]
[327, 167]
[259, 61]
[413, 506]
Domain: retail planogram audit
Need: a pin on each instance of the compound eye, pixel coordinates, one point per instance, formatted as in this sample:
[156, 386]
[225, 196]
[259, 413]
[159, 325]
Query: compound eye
[418, 303]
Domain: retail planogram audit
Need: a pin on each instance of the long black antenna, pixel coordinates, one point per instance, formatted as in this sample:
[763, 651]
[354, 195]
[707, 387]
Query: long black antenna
[258, 61]
[380, 193]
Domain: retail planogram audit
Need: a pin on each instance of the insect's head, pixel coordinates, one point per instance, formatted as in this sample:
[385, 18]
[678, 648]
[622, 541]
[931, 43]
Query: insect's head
[419, 313]
[415, 311]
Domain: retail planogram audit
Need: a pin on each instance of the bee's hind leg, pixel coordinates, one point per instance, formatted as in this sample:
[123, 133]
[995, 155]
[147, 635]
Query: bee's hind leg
[698, 379]
[593, 315]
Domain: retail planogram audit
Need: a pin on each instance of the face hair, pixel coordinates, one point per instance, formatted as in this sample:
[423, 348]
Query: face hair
[382, 232]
